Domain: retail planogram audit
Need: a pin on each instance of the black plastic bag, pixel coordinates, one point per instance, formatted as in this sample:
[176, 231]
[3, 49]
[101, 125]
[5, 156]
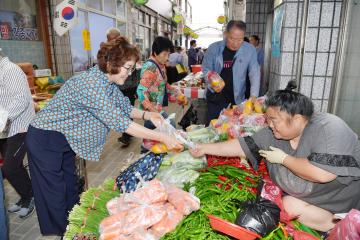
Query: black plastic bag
[190, 117]
[261, 216]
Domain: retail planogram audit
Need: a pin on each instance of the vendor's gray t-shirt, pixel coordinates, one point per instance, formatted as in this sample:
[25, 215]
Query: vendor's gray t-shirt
[329, 144]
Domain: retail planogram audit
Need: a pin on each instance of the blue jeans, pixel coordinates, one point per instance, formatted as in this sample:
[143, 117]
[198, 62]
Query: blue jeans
[3, 218]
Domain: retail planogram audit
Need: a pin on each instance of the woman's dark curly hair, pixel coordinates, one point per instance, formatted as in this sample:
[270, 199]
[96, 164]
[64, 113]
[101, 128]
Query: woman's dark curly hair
[112, 55]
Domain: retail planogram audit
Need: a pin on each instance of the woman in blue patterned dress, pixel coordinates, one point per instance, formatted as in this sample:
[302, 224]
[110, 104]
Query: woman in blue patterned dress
[76, 122]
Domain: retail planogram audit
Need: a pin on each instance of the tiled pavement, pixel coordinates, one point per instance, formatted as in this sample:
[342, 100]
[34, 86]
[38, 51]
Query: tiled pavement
[113, 160]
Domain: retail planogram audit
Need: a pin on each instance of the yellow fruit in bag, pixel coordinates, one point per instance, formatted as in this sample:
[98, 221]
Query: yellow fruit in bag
[225, 127]
[159, 148]
[248, 107]
[258, 108]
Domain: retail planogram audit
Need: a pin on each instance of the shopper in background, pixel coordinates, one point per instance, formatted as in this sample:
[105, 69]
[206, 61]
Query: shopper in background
[3, 218]
[128, 88]
[200, 55]
[77, 121]
[233, 59]
[313, 157]
[255, 41]
[15, 98]
[112, 33]
[185, 59]
[193, 60]
[175, 70]
[176, 57]
[153, 80]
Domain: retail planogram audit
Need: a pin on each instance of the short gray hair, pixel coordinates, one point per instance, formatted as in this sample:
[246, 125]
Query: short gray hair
[112, 33]
[112, 30]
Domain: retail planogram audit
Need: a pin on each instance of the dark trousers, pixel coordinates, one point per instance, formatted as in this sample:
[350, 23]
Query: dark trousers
[54, 180]
[13, 151]
[215, 103]
[130, 93]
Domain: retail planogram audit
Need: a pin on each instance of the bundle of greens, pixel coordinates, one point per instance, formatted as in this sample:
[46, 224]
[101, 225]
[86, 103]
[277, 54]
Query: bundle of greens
[85, 217]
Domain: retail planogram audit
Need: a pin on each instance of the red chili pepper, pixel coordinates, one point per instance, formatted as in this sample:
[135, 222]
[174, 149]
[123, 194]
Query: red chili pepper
[219, 185]
[222, 178]
[252, 190]
[250, 180]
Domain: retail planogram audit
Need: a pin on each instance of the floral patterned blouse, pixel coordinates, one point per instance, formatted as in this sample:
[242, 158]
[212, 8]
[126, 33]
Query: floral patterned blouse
[151, 89]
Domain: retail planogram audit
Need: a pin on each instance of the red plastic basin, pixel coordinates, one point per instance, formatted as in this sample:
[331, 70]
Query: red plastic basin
[231, 229]
[196, 68]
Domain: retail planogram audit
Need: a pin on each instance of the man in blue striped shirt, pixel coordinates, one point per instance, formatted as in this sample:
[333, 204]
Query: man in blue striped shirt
[15, 97]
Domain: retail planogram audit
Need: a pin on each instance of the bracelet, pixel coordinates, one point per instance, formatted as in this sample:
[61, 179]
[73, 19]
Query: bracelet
[143, 115]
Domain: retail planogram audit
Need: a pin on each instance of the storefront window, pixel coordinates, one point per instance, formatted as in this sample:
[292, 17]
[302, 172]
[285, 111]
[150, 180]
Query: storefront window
[122, 27]
[141, 17]
[109, 6]
[147, 42]
[79, 55]
[94, 4]
[148, 19]
[120, 8]
[135, 14]
[98, 26]
[18, 20]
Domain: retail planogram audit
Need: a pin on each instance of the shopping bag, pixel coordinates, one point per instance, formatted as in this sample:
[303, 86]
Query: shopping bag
[348, 228]
[180, 68]
[147, 166]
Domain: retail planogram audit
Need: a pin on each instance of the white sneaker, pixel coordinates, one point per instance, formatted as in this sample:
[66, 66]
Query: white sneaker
[26, 209]
[15, 207]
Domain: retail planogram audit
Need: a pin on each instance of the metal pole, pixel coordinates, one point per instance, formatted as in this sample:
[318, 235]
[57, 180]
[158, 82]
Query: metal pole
[340, 58]
[302, 42]
[52, 36]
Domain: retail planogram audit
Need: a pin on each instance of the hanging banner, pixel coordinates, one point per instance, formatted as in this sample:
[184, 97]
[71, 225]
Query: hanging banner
[65, 16]
[276, 31]
[86, 39]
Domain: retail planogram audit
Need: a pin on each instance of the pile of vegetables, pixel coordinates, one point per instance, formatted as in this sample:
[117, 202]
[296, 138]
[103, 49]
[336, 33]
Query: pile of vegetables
[180, 168]
[84, 218]
[221, 190]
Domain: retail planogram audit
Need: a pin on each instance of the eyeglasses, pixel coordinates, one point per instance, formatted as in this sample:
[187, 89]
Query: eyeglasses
[129, 70]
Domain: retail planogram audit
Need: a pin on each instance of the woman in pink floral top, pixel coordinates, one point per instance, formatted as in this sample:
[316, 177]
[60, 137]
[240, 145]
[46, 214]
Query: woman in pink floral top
[151, 90]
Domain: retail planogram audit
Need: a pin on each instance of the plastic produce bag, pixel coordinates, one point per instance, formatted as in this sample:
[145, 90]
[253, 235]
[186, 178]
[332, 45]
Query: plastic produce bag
[178, 176]
[183, 201]
[204, 135]
[215, 81]
[138, 234]
[127, 222]
[168, 223]
[185, 159]
[147, 166]
[151, 192]
[348, 228]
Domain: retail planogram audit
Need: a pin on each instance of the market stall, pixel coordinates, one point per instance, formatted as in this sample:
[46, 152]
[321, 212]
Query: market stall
[177, 196]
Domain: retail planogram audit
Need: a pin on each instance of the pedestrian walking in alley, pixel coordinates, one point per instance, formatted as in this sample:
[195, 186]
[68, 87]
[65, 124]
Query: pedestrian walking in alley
[15, 98]
[193, 60]
[77, 121]
[255, 41]
[233, 59]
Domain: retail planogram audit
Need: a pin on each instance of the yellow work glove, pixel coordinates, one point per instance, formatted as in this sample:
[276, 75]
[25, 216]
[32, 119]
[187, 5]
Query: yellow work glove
[275, 155]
